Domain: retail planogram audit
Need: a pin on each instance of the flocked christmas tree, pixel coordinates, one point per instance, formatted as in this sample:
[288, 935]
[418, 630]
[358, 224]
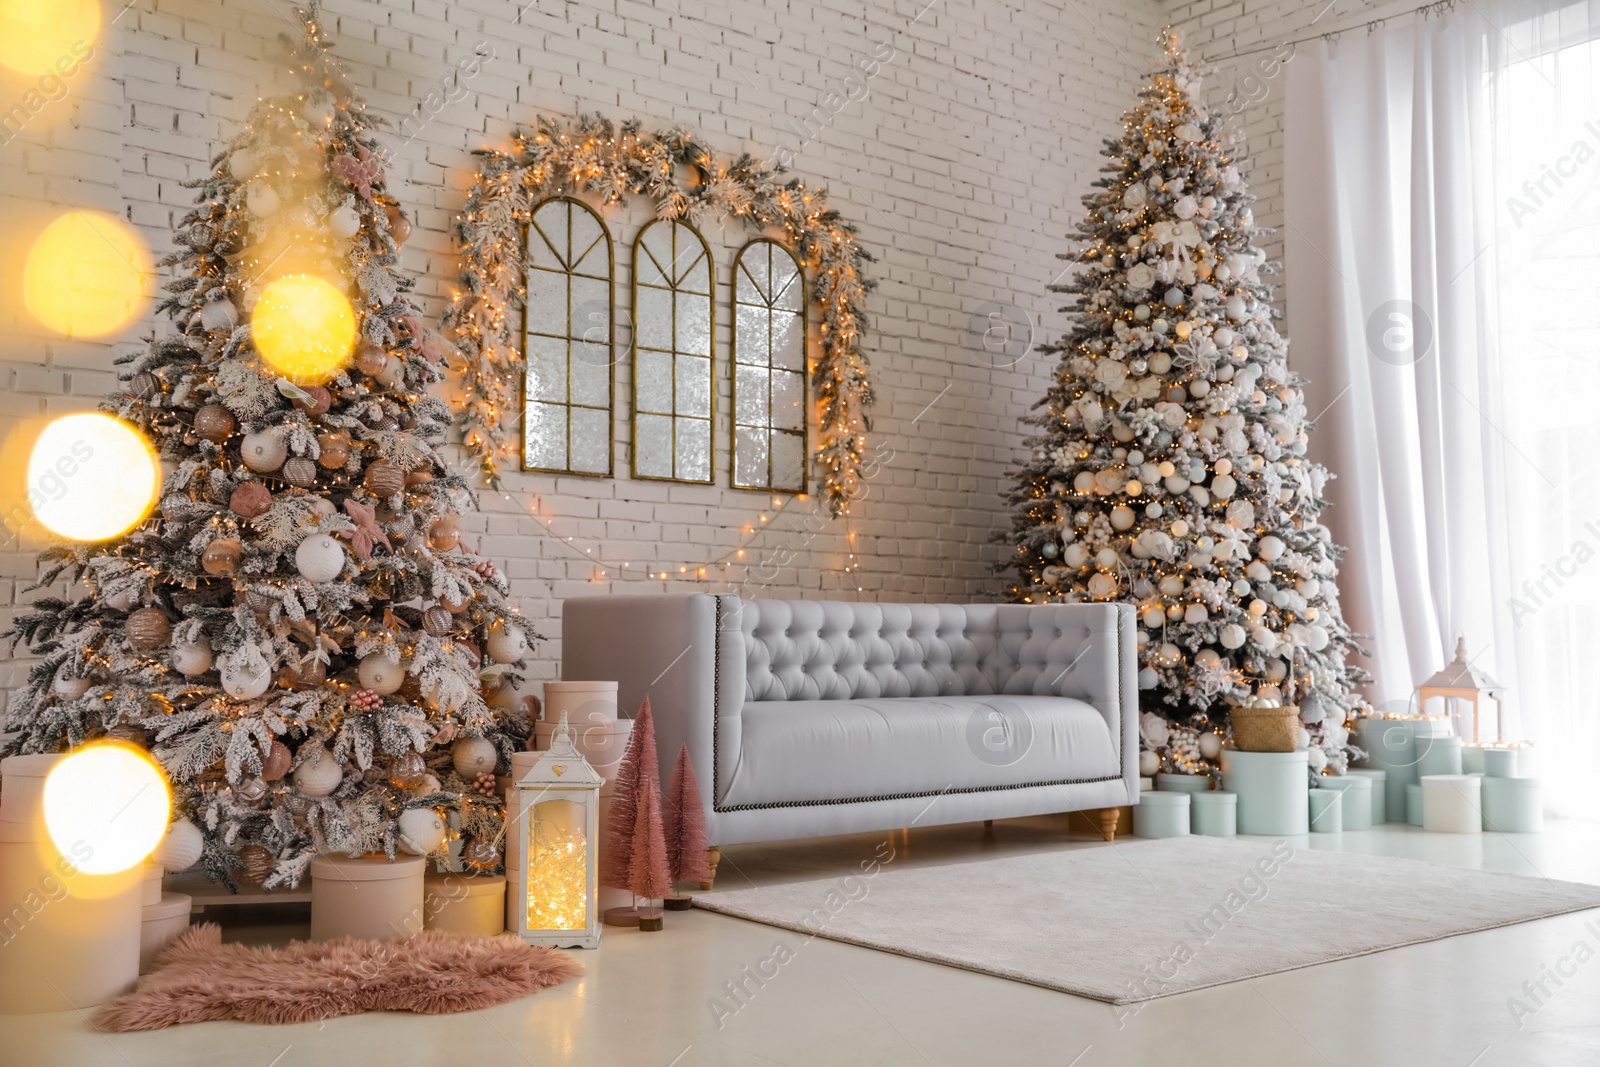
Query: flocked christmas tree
[298, 635]
[1170, 466]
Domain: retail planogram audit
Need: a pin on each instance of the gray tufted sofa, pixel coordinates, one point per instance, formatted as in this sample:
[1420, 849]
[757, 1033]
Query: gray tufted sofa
[812, 718]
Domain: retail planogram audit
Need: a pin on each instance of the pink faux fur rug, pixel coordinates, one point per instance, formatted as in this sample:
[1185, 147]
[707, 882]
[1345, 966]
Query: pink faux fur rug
[198, 978]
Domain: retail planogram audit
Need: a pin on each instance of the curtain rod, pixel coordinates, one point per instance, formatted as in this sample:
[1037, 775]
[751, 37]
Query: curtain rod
[1436, 7]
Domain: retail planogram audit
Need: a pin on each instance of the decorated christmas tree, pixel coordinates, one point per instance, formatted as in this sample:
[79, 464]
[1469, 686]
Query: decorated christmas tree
[1170, 468]
[298, 635]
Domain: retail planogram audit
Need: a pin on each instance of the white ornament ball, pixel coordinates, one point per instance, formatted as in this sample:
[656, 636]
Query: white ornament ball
[1168, 655]
[1083, 482]
[1223, 486]
[1207, 657]
[1264, 638]
[69, 688]
[1316, 638]
[1154, 617]
[378, 674]
[1257, 571]
[1280, 599]
[507, 644]
[1269, 548]
[1121, 517]
[1277, 671]
[1106, 557]
[1317, 758]
[191, 658]
[1210, 745]
[473, 756]
[1304, 740]
[263, 452]
[421, 830]
[1180, 529]
[1258, 608]
[1195, 613]
[242, 163]
[1232, 636]
[1102, 586]
[1171, 585]
[244, 682]
[120, 601]
[319, 558]
[1147, 679]
[1149, 763]
[344, 222]
[318, 776]
[1241, 588]
[262, 200]
[1075, 555]
[180, 848]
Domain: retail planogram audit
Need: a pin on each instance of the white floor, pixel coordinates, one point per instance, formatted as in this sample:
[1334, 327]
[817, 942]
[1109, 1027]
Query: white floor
[647, 999]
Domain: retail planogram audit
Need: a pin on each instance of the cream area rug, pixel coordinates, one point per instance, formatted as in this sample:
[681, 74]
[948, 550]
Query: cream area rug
[1137, 920]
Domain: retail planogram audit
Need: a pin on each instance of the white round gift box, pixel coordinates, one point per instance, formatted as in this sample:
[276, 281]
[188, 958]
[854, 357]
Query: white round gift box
[1452, 803]
[1214, 814]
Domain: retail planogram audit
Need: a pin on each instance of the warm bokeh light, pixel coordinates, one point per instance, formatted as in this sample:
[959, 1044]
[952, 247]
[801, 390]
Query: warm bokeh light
[91, 477]
[42, 37]
[304, 328]
[87, 274]
[106, 807]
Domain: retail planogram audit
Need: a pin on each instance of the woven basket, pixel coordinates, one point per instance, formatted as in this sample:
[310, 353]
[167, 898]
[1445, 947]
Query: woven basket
[1266, 729]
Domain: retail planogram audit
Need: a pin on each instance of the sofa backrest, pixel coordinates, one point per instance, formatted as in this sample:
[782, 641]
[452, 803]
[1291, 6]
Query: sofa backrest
[838, 650]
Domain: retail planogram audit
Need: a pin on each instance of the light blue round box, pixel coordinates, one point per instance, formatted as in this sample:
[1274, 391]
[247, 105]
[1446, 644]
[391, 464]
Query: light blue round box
[1414, 804]
[1182, 783]
[1357, 804]
[1438, 755]
[1327, 811]
[1214, 814]
[1391, 746]
[1380, 792]
[1272, 789]
[1161, 814]
[1512, 805]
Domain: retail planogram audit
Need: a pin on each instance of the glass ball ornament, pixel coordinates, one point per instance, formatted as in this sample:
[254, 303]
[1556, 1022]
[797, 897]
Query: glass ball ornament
[480, 855]
[407, 770]
[1210, 745]
[276, 763]
[319, 775]
[147, 629]
[421, 831]
[220, 558]
[333, 451]
[251, 790]
[507, 643]
[191, 658]
[472, 756]
[383, 479]
[444, 534]
[1049, 550]
[214, 423]
[299, 471]
[1153, 510]
[246, 681]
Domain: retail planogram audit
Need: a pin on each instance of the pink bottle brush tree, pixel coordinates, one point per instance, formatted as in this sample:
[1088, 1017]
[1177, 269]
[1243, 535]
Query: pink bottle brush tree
[683, 820]
[636, 849]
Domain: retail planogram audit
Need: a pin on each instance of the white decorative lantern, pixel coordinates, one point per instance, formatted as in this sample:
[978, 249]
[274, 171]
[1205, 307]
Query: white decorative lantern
[1462, 681]
[553, 856]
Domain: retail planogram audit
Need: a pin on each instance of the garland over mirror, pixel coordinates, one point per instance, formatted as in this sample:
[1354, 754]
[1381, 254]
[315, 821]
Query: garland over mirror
[593, 157]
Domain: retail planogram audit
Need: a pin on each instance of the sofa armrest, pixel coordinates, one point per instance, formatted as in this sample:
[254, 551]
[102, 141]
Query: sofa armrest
[664, 647]
[1085, 651]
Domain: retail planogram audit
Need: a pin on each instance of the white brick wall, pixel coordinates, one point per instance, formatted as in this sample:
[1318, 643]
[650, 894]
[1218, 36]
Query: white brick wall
[963, 168]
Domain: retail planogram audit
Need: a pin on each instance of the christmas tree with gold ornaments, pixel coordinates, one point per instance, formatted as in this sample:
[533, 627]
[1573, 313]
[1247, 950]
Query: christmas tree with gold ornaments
[1170, 469]
[299, 634]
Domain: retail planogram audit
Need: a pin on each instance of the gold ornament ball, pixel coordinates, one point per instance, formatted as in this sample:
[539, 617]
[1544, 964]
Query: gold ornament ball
[333, 450]
[480, 855]
[221, 557]
[383, 479]
[407, 771]
[371, 360]
[148, 628]
[255, 865]
[214, 423]
[445, 534]
[276, 765]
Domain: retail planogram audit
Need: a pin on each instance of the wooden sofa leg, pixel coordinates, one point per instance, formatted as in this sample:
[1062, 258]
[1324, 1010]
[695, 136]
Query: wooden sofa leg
[713, 857]
[1105, 820]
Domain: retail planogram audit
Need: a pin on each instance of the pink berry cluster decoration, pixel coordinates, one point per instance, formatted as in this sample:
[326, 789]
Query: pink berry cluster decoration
[366, 700]
[484, 783]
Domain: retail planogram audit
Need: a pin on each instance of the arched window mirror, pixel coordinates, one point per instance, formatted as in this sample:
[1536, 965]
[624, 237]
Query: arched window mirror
[672, 353]
[769, 369]
[567, 339]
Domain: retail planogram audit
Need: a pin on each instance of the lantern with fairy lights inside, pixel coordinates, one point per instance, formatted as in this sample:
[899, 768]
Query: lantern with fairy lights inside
[1461, 681]
[552, 857]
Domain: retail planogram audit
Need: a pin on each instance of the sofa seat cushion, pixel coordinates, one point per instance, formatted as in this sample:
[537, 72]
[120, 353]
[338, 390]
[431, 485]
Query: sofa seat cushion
[835, 751]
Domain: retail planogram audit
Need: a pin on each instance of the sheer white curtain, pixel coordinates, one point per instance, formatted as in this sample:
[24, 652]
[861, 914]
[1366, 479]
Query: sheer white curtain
[1445, 314]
